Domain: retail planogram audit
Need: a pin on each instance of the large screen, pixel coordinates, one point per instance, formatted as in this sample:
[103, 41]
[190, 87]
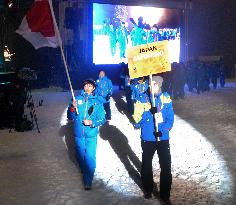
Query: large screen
[118, 27]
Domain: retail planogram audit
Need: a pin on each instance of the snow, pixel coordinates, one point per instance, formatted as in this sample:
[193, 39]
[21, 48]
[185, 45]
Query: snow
[40, 168]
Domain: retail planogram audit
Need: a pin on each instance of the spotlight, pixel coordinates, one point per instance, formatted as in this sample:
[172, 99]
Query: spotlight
[10, 4]
[7, 54]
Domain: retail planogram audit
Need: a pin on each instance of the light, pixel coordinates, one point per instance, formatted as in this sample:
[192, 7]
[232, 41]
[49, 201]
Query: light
[151, 15]
[7, 54]
[10, 4]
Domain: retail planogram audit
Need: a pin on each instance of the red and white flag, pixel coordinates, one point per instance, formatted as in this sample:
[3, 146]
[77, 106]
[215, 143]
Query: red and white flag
[37, 26]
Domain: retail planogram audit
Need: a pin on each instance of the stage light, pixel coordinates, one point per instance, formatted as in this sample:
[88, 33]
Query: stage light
[7, 54]
[10, 4]
[151, 15]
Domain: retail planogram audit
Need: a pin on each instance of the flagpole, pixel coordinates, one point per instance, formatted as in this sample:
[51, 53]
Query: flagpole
[153, 103]
[60, 45]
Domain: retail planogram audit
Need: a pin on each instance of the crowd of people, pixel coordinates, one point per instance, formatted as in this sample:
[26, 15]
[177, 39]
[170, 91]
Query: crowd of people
[198, 76]
[152, 113]
[140, 33]
[149, 103]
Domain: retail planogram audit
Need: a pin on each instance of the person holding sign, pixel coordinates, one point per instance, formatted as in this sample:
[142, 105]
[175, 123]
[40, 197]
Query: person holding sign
[156, 138]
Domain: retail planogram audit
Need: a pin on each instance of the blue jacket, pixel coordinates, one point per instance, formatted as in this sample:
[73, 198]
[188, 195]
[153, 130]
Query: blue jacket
[103, 88]
[89, 108]
[164, 105]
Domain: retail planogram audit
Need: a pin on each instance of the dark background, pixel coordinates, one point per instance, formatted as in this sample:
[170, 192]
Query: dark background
[208, 29]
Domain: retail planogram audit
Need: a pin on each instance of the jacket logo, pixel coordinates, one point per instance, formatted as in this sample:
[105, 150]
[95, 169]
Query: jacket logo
[80, 102]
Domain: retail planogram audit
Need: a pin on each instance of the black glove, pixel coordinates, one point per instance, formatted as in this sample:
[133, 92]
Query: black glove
[157, 134]
[108, 97]
[136, 125]
[153, 110]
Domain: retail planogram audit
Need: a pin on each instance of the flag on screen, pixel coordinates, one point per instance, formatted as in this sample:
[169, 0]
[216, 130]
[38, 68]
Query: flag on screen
[37, 26]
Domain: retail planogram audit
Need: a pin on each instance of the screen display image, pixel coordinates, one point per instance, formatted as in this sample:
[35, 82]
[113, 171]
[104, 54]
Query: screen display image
[118, 27]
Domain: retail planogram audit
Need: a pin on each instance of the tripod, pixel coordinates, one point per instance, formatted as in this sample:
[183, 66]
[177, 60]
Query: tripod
[17, 102]
[21, 95]
[30, 105]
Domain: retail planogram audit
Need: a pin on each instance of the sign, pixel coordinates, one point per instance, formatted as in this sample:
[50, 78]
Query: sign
[147, 59]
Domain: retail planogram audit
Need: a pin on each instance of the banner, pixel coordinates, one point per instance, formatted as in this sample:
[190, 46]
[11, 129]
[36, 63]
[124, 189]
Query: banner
[147, 59]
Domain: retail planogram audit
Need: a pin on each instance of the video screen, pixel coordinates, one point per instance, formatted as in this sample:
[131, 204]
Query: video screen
[118, 27]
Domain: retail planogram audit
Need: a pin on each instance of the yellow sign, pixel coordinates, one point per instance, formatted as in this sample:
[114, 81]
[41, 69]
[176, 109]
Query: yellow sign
[147, 59]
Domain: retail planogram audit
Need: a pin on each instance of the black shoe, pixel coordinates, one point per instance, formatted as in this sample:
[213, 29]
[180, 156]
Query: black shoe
[87, 188]
[165, 201]
[147, 195]
[155, 192]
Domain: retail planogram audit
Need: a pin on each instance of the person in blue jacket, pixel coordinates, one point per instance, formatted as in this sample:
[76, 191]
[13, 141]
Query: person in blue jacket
[104, 92]
[157, 139]
[140, 90]
[88, 114]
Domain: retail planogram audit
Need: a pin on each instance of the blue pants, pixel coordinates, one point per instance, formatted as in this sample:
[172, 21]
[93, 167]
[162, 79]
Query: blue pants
[86, 156]
[107, 109]
[129, 100]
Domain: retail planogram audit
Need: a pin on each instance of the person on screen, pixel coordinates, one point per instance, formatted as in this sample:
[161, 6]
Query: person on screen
[157, 140]
[173, 34]
[88, 114]
[104, 91]
[122, 38]
[138, 35]
[140, 22]
[132, 37]
[151, 33]
[111, 32]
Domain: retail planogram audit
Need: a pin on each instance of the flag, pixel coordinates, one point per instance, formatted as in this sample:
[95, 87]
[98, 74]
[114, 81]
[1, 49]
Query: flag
[37, 26]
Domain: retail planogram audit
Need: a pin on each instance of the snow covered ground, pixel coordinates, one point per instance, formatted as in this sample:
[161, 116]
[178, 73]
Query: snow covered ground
[39, 168]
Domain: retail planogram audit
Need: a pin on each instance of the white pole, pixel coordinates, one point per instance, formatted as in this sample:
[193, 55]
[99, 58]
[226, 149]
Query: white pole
[153, 105]
[150, 83]
[62, 51]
